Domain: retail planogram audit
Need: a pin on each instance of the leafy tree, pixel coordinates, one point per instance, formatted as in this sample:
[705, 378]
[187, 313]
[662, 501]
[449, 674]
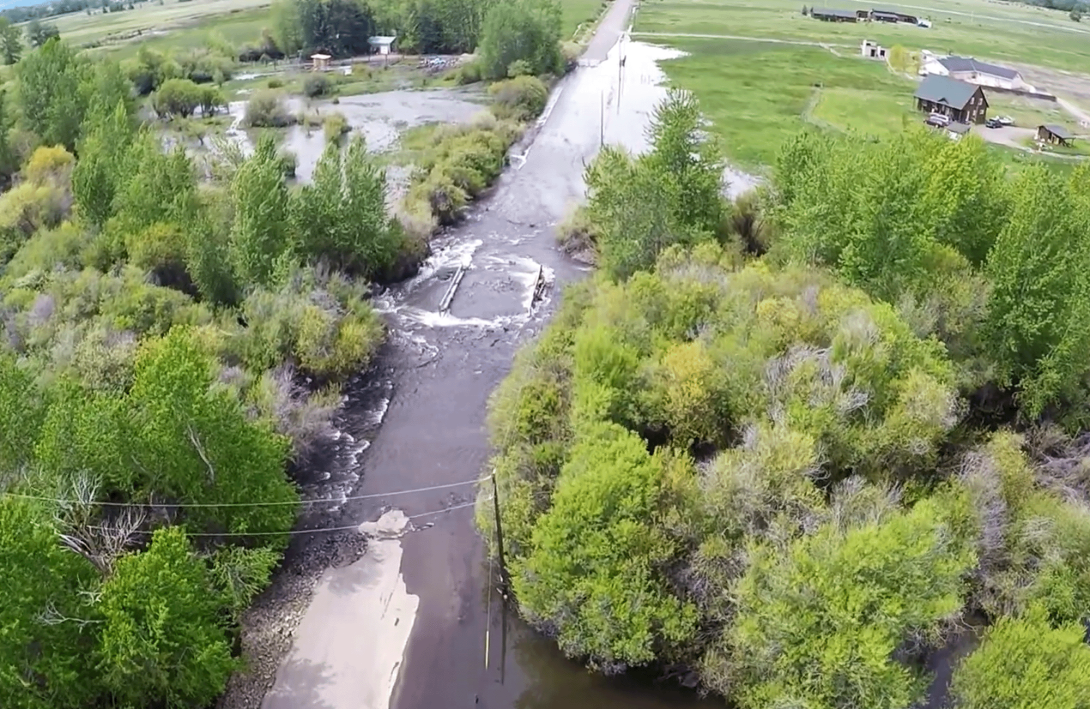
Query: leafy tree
[286, 22]
[52, 103]
[260, 238]
[108, 86]
[683, 152]
[11, 42]
[39, 33]
[20, 413]
[592, 570]
[44, 621]
[162, 639]
[341, 217]
[197, 444]
[1024, 663]
[100, 172]
[521, 31]
[177, 97]
[1039, 313]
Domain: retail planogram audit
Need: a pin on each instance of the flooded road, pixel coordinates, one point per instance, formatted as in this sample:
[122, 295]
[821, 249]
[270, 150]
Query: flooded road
[404, 624]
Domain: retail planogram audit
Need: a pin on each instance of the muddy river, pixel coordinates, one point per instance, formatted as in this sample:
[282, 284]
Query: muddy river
[410, 623]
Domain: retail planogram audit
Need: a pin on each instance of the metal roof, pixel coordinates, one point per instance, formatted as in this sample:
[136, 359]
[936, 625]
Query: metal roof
[819, 12]
[943, 89]
[959, 128]
[958, 64]
[1058, 131]
[379, 40]
[320, 56]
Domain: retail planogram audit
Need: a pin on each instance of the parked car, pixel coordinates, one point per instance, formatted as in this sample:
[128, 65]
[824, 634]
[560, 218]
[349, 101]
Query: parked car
[938, 119]
[993, 123]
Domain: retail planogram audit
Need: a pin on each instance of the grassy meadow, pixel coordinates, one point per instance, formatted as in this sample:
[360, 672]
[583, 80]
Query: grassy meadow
[757, 93]
[1015, 33]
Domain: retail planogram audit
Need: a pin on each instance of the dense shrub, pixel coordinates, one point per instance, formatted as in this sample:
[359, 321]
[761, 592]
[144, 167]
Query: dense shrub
[796, 381]
[521, 99]
[266, 109]
[463, 162]
[316, 85]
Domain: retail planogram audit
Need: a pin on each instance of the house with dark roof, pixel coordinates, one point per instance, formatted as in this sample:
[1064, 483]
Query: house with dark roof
[974, 71]
[959, 101]
[827, 15]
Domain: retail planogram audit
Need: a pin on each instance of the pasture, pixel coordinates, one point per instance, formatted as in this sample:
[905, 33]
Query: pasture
[988, 30]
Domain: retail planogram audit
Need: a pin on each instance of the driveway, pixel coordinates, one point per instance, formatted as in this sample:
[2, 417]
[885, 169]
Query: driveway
[1011, 136]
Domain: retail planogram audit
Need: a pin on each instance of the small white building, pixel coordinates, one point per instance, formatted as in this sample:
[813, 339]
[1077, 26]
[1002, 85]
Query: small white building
[973, 71]
[871, 50]
[381, 45]
[320, 62]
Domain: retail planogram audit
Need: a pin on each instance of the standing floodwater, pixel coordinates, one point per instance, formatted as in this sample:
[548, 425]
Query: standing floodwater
[404, 626]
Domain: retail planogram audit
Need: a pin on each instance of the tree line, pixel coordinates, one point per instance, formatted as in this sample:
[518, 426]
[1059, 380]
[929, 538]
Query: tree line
[172, 345]
[789, 446]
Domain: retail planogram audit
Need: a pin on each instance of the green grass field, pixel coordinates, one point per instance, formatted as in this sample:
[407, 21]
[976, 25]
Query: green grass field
[80, 28]
[998, 31]
[757, 94]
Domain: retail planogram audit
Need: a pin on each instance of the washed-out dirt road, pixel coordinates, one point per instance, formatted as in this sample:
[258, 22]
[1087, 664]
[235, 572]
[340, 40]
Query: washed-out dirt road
[402, 625]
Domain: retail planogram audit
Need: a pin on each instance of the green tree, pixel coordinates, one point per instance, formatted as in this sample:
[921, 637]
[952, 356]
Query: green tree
[286, 26]
[100, 171]
[341, 217]
[162, 640]
[46, 627]
[1038, 327]
[691, 161]
[52, 103]
[1023, 663]
[11, 42]
[260, 237]
[38, 33]
[21, 411]
[592, 572]
[197, 445]
[177, 97]
[520, 31]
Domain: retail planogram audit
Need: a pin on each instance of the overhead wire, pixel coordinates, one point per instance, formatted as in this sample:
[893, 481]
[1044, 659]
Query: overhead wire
[297, 532]
[260, 503]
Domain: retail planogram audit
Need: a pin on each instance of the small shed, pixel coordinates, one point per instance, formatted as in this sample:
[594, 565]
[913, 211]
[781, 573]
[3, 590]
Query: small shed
[956, 130]
[1052, 133]
[320, 61]
[381, 45]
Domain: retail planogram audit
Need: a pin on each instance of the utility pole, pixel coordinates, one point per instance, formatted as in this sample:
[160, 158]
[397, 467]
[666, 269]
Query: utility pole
[601, 138]
[499, 534]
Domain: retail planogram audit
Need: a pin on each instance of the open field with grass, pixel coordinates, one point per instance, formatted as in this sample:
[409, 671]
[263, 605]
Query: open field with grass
[80, 28]
[1030, 112]
[758, 94]
[1003, 32]
[579, 15]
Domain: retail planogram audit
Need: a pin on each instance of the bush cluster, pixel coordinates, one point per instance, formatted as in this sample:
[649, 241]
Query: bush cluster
[790, 445]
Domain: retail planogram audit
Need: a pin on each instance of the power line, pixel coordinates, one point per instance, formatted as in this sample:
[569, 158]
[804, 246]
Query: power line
[280, 503]
[297, 532]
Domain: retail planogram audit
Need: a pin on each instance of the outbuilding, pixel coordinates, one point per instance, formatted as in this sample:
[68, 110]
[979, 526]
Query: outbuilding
[381, 45]
[826, 15]
[320, 62]
[1052, 133]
